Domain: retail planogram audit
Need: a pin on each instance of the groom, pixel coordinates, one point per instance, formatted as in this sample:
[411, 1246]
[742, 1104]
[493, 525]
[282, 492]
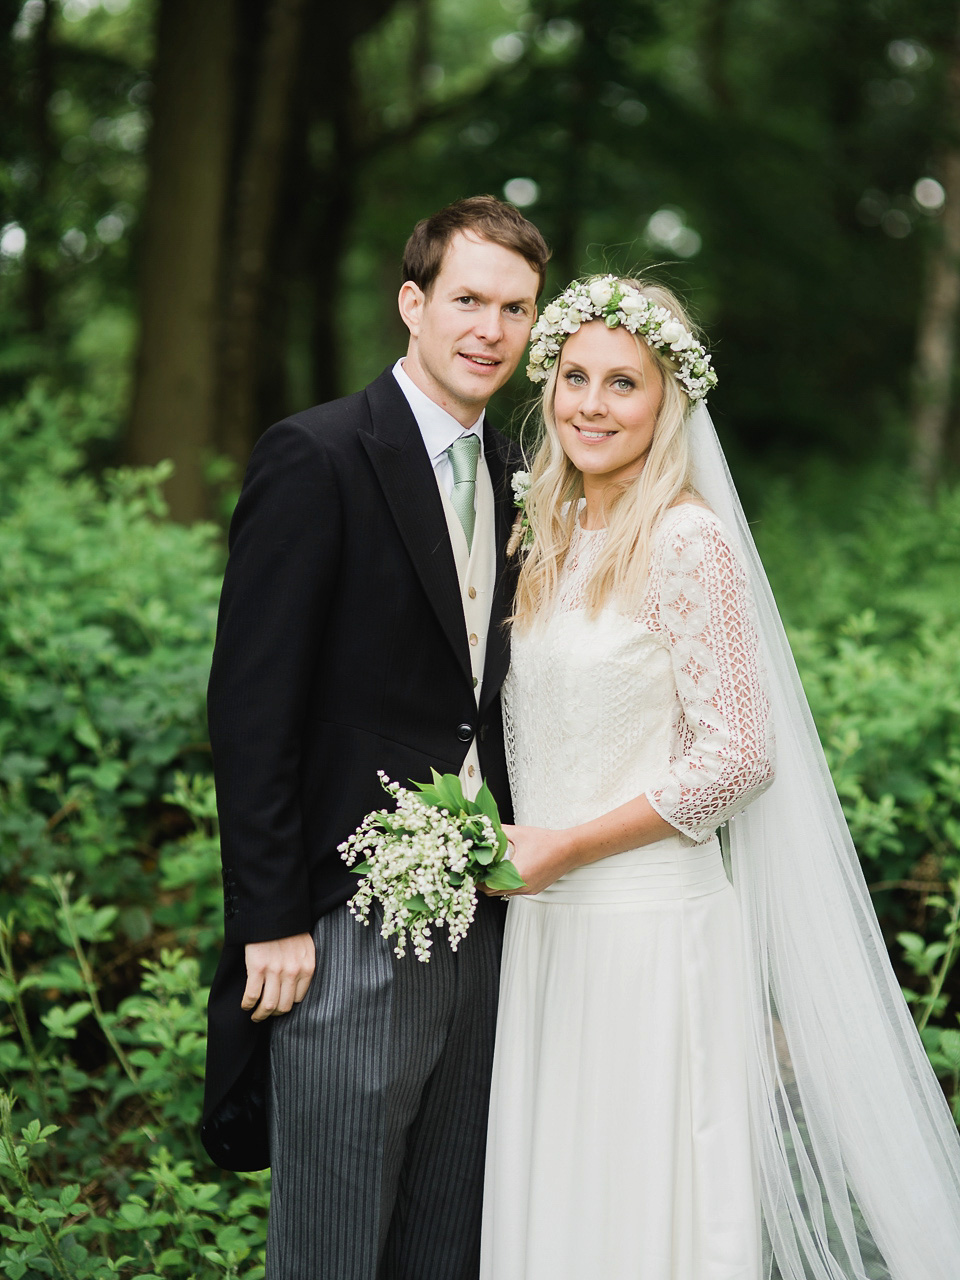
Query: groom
[362, 629]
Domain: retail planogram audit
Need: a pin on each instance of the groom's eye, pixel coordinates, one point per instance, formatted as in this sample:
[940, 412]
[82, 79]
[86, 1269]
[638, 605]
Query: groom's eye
[466, 298]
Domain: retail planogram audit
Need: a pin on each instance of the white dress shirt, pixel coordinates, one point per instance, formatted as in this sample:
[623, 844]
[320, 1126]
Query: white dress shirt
[438, 428]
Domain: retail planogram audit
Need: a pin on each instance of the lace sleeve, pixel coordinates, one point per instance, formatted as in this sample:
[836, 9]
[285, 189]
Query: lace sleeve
[724, 749]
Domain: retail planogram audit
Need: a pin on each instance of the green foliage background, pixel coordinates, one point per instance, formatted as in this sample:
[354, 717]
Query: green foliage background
[786, 140]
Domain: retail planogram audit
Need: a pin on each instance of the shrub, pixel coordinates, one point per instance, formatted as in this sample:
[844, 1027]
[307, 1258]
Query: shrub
[110, 901]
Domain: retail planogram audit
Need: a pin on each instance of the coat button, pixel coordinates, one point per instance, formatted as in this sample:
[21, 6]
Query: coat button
[472, 593]
[474, 638]
[464, 732]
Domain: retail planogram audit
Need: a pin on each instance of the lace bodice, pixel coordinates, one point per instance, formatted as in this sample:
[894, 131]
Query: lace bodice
[669, 703]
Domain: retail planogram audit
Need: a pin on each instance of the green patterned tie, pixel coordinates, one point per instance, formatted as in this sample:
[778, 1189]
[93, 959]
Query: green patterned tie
[463, 455]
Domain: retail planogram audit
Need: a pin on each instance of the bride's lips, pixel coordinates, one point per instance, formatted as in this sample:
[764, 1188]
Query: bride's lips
[593, 435]
[480, 362]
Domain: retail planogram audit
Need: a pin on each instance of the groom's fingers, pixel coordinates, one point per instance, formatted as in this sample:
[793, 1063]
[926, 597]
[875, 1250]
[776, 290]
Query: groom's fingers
[278, 974]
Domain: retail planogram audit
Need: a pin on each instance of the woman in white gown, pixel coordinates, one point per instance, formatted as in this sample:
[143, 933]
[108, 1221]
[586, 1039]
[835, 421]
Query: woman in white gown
[663, 1103]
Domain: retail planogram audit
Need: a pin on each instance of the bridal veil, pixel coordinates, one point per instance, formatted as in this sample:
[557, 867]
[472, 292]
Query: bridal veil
[858, 1157]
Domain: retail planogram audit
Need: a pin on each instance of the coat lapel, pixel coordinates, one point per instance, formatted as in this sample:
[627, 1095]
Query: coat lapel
[397, 454]
[502, 460]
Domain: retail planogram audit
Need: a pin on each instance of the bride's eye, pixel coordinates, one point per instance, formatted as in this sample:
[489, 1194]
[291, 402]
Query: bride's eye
[575, 379]
[624, 384]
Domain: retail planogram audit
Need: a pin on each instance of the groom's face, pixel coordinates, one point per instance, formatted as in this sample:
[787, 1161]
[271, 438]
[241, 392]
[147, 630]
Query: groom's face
[468, 332]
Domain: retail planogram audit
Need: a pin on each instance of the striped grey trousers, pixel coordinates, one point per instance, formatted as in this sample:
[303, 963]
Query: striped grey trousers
[380, 1080]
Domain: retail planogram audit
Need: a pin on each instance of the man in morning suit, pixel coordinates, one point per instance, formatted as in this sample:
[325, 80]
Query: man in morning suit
[362, 628]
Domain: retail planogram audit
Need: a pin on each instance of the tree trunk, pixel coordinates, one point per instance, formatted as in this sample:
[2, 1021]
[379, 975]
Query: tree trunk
[937, 331]
[174, 406]
[258, 187]
[41, 243]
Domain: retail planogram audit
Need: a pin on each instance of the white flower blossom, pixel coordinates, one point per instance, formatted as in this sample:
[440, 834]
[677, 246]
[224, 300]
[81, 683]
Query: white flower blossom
[675, 335]
[520, 483]
[601, 291]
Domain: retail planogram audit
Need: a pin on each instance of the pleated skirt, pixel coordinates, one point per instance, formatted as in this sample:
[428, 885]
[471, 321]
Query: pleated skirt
[618, 1143]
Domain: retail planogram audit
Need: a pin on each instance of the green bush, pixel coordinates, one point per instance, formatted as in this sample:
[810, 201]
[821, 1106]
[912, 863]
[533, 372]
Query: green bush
[110, 903]
[867, 579]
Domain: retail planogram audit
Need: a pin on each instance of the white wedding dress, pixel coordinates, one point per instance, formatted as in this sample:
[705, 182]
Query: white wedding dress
[619, 1141]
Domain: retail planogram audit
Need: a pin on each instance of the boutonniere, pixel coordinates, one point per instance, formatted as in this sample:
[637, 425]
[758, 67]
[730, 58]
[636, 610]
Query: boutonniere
[521, 535]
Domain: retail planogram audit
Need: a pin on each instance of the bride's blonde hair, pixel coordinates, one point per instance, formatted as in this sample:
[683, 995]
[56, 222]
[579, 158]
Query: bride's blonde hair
[553, 503]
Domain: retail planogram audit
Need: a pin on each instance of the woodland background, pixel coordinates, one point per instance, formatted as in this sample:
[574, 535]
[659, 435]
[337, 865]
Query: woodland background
[202, 211]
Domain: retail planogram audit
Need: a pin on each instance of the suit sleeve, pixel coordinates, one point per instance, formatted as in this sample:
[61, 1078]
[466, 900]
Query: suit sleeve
[284, 551]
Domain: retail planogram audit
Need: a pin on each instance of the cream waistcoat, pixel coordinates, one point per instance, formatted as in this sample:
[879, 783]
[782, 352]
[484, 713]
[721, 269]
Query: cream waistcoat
[476, 570]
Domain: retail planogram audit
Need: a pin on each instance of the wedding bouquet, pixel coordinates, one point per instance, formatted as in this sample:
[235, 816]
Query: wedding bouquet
[424, 860]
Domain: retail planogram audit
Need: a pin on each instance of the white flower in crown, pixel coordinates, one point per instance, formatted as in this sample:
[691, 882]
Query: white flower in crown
[608, 299]
[675, 335]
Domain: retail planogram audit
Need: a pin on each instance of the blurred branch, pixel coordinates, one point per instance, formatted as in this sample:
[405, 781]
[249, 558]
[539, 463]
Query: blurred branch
[433, 113]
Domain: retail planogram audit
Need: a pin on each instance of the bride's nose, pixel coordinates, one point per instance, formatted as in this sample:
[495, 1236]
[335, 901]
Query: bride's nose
[593, 404]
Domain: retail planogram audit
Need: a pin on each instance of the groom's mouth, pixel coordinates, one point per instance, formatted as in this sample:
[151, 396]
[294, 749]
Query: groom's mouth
[482, 363]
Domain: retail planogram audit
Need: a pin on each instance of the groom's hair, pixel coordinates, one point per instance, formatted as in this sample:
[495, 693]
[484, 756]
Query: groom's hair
[486, 216]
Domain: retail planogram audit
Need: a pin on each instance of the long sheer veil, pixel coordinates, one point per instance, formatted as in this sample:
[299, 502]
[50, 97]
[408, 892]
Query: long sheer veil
[858, 1157]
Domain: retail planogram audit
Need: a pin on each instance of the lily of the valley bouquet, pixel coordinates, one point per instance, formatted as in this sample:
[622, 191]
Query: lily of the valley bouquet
[424, 860]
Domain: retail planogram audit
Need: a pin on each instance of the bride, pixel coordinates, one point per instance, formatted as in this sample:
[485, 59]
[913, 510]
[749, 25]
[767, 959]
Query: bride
[704, 1069]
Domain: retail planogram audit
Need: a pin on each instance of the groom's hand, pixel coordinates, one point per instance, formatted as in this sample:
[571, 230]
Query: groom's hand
[278, 974]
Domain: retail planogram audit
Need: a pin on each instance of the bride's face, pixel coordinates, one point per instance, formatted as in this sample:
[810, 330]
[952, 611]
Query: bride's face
[607, 398]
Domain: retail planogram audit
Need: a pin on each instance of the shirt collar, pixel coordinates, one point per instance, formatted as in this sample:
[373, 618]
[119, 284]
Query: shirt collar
[438, 428]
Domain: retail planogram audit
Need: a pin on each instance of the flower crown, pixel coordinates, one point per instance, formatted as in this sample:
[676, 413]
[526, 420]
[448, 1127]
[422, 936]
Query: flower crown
[609, 299]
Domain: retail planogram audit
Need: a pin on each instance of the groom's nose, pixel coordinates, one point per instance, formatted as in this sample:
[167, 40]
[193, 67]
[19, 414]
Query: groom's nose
[489, 324]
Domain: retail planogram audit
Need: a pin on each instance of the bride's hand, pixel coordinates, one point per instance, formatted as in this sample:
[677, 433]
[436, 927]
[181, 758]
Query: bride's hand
[540, 856]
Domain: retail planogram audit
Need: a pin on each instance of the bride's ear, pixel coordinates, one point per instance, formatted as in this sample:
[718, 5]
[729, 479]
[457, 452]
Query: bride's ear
[411, 302]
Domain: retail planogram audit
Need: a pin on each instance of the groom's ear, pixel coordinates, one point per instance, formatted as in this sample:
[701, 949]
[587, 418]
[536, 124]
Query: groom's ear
[411, 302]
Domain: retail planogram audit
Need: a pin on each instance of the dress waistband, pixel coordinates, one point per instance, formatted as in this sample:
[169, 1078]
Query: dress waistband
[667, 871]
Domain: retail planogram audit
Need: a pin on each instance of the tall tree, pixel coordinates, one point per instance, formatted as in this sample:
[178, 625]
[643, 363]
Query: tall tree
[262, 154]
[174, 406]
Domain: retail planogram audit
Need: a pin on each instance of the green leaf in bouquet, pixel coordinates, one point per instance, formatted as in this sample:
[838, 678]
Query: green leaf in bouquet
[430, 795]
[503, 876]
[444, 791]
[417, 903]
[451, 790]
[482, 854]
[361, 869]
[486, 804]
[456, 878]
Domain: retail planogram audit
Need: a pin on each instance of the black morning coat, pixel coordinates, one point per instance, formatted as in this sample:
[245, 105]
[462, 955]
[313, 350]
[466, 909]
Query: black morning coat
[341, 649]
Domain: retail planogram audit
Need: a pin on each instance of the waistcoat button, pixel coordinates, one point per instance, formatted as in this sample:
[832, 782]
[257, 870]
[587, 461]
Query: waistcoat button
[464, 732]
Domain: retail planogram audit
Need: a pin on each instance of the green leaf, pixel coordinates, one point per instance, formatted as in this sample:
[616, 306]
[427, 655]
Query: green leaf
[361, 869]
[417, 903]
[451, 791]
[482, 855]
[503, 876]
[488, 805]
